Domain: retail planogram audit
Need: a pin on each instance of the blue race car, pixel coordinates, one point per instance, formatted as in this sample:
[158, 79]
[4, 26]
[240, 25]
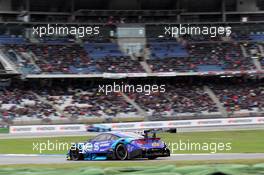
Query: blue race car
[97, 128]
[119, 146]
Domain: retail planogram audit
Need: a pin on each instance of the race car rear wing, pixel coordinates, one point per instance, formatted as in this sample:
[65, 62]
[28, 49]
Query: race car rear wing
[151, 131]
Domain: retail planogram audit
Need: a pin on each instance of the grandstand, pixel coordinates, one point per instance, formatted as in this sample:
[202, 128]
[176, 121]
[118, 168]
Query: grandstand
[205, 77]
[99, 57]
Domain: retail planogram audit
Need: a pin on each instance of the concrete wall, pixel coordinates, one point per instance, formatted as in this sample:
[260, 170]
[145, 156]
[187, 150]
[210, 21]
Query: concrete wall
[246, 5]
[124, 4]
[5, 5]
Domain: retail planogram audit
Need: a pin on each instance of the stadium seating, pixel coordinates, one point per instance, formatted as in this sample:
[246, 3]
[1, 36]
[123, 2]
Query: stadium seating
[20, 104]
[102, 50]
[119, 65]
[241, 96]
[58, 58]
[64, 58]
[228, 56]
[14, 53]
[254, 51]
[257, 37]
[211, 56]
[180, 98]
[161, 50]
[187, 54]
[57, 40]
[109, 58]
[89, 103]
[7, 39]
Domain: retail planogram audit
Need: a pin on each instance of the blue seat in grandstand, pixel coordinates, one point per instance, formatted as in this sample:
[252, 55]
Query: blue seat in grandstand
[208, 68]
[161, 50]
[83, 70]
[102, 50]
[257, 37]
[56, 41]
[29, 69]
[5, 39]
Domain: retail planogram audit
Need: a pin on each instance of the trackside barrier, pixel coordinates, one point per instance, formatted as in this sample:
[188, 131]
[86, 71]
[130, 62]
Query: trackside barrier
[186, 123]
[46, 128]
[161, 74]
[141, 125]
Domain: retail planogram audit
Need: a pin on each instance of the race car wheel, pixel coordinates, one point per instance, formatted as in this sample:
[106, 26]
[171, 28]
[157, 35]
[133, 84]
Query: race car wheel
[76, 155]
[152, 157]
[121, 152]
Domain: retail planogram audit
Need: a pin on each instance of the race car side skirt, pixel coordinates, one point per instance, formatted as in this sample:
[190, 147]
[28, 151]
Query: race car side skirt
[163, 152]
[138, 153]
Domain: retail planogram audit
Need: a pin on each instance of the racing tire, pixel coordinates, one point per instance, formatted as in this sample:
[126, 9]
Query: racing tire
[76, 155]
[121, 152]
[152, 157]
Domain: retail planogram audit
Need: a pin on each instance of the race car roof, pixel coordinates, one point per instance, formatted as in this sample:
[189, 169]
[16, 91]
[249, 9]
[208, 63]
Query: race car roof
[127, 135]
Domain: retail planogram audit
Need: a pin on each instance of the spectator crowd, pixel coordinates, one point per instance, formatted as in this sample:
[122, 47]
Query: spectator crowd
[56, 102]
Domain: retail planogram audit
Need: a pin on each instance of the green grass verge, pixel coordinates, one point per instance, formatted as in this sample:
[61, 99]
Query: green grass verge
[4, 130]
[106, 164]
[248, 141]
[142, 168]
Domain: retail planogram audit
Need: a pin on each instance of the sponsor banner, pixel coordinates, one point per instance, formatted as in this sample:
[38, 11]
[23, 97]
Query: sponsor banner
[123, 75]
[141, 125]
[137, 74]
[20, 129]
[166, 74]
[185, 123]
[46, 128]
[114, 75]
[260, 120]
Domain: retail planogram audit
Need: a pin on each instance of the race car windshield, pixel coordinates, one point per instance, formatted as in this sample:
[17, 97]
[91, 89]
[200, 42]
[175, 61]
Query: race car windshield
[132, 135]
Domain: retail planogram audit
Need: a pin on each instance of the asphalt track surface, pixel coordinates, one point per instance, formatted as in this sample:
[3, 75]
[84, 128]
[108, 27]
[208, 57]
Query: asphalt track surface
[6, 159]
